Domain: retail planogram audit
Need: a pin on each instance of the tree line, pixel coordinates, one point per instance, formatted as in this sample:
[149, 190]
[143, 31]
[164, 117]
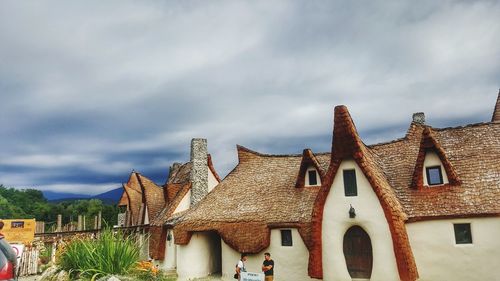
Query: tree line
[30, 203]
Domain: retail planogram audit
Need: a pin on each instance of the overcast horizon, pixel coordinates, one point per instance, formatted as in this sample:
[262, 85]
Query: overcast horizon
[92, 90]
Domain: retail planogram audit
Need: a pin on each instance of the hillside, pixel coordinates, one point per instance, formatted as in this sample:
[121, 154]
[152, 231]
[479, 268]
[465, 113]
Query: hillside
[109, 197]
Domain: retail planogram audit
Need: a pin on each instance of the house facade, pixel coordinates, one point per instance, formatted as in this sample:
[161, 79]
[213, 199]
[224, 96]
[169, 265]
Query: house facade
[422, 207]
[146, 206]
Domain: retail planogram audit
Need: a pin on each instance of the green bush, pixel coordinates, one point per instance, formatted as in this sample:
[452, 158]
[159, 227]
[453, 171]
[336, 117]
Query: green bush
[111, 253]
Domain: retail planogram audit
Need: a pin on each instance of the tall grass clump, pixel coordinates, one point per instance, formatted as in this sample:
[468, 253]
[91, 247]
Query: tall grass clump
[110, 253]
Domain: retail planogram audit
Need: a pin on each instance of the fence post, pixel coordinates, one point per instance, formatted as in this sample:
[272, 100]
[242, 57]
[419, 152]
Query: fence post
[59, 223]
[99, 220]
[79, 222]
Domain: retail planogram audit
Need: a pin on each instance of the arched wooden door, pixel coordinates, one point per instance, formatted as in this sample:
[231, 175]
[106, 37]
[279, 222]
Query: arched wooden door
[358, 252]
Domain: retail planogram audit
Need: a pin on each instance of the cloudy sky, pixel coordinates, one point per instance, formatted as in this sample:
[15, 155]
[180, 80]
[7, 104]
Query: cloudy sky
[93, 89]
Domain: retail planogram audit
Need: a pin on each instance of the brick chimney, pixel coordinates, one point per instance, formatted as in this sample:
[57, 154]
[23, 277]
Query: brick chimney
[419, 118]
[199, 172]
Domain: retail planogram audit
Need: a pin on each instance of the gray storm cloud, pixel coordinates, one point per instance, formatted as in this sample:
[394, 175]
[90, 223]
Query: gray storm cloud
[91, 90]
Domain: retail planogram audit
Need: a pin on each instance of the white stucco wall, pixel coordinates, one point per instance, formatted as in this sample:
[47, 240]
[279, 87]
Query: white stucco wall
[290, 262]
[369, 215]
[212, 181]
[432, 159]
[306, 180]
[185, 203]
[143, 246]
[439, 258]
[170, 260]
[200, 257]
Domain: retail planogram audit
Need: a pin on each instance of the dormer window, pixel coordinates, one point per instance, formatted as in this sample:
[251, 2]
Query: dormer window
[434, 175]
[313, 177]
[433, 171]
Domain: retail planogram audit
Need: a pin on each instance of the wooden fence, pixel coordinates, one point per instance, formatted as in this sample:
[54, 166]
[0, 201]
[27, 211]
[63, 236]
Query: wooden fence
[52, 234]
[29, 262]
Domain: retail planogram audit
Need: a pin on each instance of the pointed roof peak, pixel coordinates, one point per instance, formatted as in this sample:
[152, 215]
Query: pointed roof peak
[496, 111]
[308, 159]
[346, 140]
[430, 142]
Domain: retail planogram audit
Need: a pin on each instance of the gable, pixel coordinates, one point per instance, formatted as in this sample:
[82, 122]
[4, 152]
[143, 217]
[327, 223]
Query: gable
[430, 147]
[369, 215]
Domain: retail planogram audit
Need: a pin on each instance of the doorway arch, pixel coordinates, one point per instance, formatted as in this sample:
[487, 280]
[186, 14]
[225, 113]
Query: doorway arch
[358, 252]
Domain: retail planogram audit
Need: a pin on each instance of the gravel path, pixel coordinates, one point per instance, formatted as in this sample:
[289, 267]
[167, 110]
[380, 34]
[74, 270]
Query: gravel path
[30, 278]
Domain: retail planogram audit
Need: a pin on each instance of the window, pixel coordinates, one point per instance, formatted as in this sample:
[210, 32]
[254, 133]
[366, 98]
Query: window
[350, 187]
[313, 180]
[286, 237]
[434, 175]
[463, 234]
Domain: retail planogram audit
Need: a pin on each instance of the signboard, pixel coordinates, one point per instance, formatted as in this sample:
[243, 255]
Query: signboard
[18, 249]
[251, 276]
[19, 231]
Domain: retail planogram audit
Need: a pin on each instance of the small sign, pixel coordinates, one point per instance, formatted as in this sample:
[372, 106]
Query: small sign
[19, 231]
[18, 249]
[251, 276]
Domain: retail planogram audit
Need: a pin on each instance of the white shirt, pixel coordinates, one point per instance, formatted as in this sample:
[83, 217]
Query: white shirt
[241, 265]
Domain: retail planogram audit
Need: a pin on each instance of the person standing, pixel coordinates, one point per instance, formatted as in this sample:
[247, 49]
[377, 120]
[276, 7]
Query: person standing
[240, 267]
[7, 250]
[268, 267]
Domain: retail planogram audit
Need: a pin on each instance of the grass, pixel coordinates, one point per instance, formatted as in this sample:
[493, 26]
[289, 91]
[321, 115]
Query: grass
[111, 253]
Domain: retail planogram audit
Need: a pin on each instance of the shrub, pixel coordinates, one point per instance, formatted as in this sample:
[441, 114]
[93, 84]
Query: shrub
[111, 253]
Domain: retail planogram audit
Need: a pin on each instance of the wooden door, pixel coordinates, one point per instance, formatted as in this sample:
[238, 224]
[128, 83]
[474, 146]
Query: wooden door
[358, 253]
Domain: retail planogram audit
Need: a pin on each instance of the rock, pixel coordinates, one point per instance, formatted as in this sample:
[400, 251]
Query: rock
[49, 273]
[62, 276]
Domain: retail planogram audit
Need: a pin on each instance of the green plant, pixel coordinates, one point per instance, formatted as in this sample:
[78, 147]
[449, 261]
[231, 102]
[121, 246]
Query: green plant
[111, 253]
[45, 253]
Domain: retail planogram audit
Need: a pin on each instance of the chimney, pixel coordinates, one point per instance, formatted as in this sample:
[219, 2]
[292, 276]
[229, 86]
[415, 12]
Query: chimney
[419, 118]
[199, 170]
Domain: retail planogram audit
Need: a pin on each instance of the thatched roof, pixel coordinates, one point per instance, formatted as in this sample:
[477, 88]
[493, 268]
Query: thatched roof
[267, 191]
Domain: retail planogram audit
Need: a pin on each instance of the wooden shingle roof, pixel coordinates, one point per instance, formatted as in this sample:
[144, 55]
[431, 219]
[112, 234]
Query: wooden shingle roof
[256, 193]
[153, 196]
[473, 152]
[260, 193]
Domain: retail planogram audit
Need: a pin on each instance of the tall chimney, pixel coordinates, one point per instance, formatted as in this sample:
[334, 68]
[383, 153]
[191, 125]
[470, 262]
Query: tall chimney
[419, 118]
[199, 171]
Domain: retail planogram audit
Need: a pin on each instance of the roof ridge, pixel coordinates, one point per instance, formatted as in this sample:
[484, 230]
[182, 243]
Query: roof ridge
[245, 149]
[478, 124]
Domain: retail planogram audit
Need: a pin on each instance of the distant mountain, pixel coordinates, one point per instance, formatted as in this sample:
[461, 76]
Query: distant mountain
[111, 196]
[108, 197]
[54, 195]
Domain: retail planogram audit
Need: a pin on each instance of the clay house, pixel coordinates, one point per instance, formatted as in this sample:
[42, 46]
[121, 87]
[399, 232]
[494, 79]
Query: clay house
[144, 202]
[421, 207]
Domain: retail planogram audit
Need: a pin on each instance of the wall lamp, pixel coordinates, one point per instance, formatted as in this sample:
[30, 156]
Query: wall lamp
[352, 212]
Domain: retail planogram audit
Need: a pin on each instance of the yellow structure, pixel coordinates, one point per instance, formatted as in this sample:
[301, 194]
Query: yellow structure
[19, 231]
